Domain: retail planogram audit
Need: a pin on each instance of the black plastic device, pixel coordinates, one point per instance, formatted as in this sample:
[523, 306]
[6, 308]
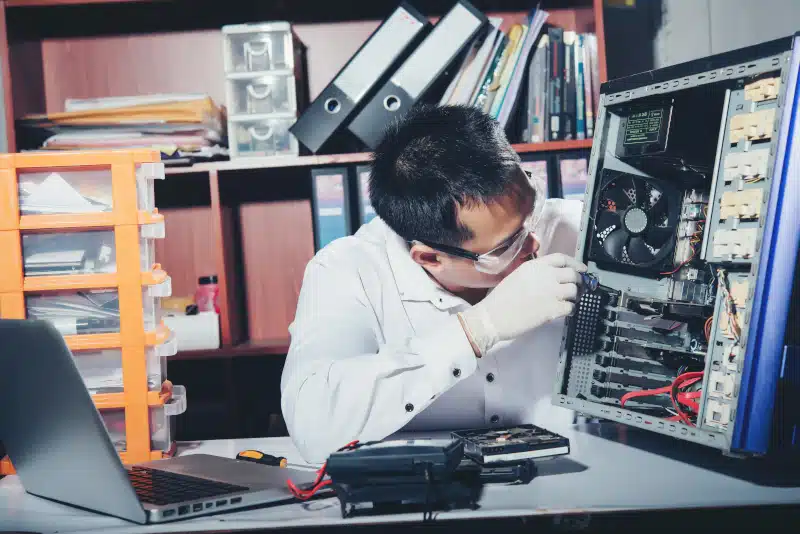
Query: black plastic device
[374, 462]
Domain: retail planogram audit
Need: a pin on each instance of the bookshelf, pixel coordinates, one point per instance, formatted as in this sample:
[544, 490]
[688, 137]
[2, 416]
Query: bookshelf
[247, 221]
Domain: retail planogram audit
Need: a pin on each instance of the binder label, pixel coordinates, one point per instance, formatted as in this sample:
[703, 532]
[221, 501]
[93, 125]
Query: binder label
[386, 44]
[436, 51]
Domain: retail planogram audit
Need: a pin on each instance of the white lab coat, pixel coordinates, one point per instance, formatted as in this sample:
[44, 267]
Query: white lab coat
[376, 348]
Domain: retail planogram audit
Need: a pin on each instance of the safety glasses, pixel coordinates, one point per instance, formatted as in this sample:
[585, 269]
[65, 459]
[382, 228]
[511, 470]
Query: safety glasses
[498, 259]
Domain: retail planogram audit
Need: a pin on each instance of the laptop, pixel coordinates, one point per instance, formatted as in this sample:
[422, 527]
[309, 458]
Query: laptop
[61, 450]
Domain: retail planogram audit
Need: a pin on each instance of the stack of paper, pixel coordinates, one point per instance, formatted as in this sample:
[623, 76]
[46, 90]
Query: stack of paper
[179, 125]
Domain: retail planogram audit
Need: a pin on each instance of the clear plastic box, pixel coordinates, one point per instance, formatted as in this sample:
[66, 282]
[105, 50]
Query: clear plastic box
[102, 369]
[262, 135]
[81, 190]
[272, 92]
[93, 311]
[160, 424]
[258, 47]
[82, 252]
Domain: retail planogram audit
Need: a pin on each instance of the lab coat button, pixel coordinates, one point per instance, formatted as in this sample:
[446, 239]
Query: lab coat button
[456, 372]
[409, 407]
[490, 377]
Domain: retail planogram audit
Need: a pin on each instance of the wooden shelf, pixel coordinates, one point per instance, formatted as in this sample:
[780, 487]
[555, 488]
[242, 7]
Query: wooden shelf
[553, 146]
[339, 159]
[219, 220]
[249, 348]
[50, 3]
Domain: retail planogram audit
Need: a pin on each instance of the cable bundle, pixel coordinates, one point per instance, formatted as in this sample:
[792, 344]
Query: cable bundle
[678, 394]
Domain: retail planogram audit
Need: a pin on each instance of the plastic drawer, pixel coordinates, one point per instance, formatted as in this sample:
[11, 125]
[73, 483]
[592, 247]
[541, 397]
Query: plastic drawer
[82, 252]
[81, 190]
[258, 47]
[102, 369]
[93, 311]
[272, 92]
[262, 135]
[160, 424]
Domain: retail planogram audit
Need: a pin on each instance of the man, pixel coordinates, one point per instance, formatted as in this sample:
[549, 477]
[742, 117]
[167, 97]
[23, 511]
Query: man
[446, 310]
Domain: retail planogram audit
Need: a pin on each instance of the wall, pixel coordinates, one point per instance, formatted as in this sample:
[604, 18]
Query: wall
[695, 28]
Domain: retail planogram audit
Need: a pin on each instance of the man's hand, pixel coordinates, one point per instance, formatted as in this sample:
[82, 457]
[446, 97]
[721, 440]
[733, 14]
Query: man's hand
[537, 292]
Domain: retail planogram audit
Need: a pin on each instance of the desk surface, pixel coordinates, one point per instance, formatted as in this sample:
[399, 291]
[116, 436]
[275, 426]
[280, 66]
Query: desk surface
[610, 468]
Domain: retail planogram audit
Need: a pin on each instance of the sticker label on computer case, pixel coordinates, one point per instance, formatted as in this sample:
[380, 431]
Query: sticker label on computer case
[644, 127]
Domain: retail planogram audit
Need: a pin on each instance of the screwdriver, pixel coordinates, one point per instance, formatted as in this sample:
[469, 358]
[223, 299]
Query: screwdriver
[259, 457]
[590, 282]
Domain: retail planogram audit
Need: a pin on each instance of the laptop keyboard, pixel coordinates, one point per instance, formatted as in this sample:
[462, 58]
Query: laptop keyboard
[158, 487]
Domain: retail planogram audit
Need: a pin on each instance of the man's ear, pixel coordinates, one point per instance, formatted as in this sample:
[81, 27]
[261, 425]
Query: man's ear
[425, 256]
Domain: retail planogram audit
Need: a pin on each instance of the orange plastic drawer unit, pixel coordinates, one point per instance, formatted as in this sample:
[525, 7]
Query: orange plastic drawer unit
[77, 233]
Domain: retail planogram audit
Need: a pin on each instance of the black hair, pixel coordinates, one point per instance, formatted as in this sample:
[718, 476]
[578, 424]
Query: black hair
[433, 159]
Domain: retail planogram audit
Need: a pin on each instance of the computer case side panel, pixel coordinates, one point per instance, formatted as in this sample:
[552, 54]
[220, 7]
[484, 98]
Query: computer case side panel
[776, 271]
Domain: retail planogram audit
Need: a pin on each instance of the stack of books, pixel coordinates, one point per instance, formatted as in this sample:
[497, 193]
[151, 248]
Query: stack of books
[563, 87]
[540, 82]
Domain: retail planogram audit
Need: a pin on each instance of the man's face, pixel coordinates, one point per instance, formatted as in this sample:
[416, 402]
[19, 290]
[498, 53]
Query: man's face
[494, 226]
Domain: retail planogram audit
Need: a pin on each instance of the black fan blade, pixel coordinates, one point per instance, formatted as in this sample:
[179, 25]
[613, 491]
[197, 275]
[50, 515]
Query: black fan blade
[607, 219]
[615, 242]
[657, 236]
[638, 251]
[640, 191]
[658, 210]
[616, 192]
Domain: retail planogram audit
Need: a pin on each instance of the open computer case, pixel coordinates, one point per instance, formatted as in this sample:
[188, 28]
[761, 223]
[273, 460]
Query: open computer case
[690, 226]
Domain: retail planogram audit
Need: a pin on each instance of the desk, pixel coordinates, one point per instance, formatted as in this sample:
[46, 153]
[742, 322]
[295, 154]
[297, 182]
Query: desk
[611, 468]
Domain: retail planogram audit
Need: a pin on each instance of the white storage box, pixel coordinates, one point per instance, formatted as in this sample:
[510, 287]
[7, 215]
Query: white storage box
[101, 370]
[272, 92]
[160, 431]
[194, 332]
[262, 135]
[258, 47]
[78, 190]
[82, 252]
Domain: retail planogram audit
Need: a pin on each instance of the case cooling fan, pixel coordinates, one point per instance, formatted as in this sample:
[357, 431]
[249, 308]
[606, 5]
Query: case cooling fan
[635, 222]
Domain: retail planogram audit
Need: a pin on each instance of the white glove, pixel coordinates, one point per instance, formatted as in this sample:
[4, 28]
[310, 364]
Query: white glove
[537, 292]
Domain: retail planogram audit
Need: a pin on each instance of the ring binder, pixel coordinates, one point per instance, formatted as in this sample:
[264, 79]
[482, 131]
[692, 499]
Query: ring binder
[354, 84]
[419, 72]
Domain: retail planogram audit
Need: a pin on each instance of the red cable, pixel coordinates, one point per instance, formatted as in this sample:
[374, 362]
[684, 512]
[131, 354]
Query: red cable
[684, 380]
[318, 484]
[685, 398]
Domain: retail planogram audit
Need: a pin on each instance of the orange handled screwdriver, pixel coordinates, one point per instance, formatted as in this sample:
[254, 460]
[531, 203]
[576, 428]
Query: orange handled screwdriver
[261, 458]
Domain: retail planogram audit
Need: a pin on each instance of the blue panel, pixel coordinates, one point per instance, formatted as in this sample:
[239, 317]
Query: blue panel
[765, 342]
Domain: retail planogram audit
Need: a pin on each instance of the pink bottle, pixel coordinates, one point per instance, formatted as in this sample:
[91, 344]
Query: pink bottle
[207, 294]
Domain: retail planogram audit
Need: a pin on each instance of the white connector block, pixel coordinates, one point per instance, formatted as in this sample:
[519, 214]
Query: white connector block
[744, 204]
[752, 126]
[717, 414]
[739, 291]
[731, 244]
[720, 385]
[732, 353]
[743, 165]
[760, 90]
